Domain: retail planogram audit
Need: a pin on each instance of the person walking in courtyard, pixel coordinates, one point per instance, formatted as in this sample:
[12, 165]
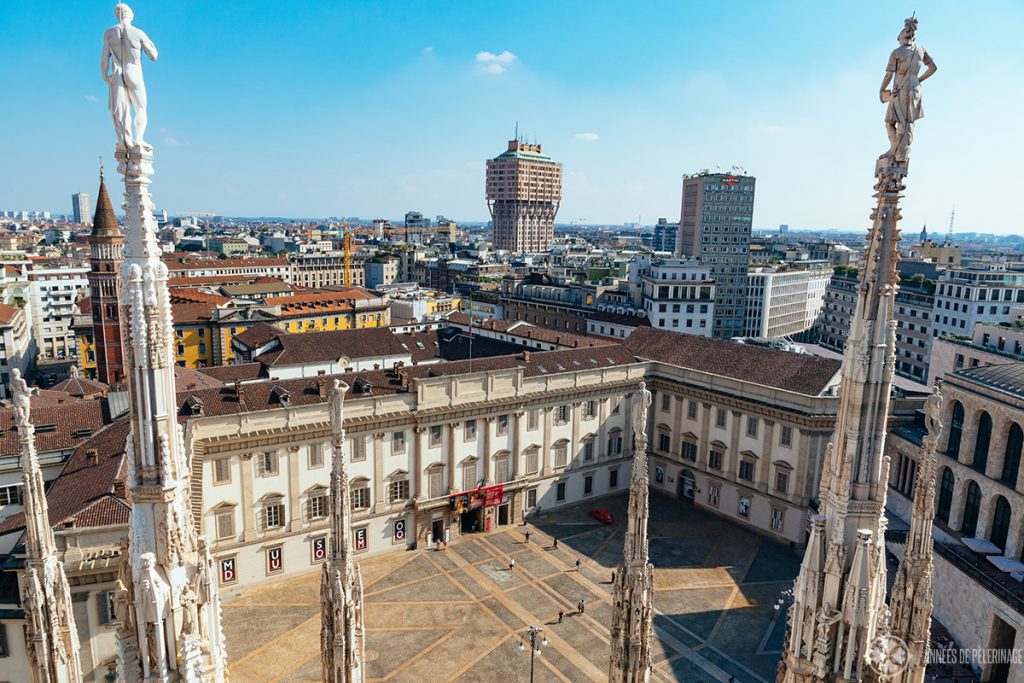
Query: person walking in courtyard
[560, 615]
[527, 536]
[511, 563]
[613, 577]
[579, 607]
[577, 565]
[583, 606]
[554, 544]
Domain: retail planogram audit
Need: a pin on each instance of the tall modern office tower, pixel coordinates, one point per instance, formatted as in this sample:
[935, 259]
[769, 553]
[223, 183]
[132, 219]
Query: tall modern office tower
[106, 250]
[524, 188]
[717, 213]
[80, 208]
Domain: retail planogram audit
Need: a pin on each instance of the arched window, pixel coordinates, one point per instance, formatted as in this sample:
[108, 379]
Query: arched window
[981, 444]
[971, 508]
[956, 430]
[1000, 523]
[945, 495]
[1011, 460]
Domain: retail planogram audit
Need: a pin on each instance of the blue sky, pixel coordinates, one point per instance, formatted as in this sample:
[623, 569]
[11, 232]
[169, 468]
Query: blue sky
[320, 108]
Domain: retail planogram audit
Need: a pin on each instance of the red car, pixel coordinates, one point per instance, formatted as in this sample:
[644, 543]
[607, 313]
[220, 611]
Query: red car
[602, 515]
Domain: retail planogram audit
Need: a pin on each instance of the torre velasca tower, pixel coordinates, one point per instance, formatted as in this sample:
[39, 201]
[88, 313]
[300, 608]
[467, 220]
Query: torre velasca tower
[524, 188]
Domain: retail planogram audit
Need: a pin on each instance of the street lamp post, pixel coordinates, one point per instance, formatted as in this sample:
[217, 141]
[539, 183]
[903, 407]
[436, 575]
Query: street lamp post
[534, 646]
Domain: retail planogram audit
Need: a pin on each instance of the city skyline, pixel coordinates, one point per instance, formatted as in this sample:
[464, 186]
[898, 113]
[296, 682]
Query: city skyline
[364, 113]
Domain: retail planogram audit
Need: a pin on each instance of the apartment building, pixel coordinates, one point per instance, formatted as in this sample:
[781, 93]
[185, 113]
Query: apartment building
[965, 297]
[54, 290]
[785, 301]
[679, 295]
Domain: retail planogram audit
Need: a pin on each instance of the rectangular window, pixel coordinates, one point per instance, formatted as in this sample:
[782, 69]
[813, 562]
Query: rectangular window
[614, 445]
[502, 425]
[588, 450]
[713, 491]
[361, 498]
[561, 454]
[273, 516]
[589, 409]
[751, 426]
[531, 419]
[664, 443]
[531, 461]
[436, 483]
[666, 402]
[316, 455]
[588, 485]
[469, 430]
[399, 490]
[501, 470]
[469, 481]
[746, 470]
[715, 459]
[105, 607]
[222, 471]
[268, 463]
[720, 417]
[689, 451]
[782, 482]
[778, 518]
[531, 498]
[691, 410]
[561, 414]
[225, 523]
[435, 435]
[560, 491]
[398, 442]
[613, 479]
[786, 436]
[358, 448]
[317, 506]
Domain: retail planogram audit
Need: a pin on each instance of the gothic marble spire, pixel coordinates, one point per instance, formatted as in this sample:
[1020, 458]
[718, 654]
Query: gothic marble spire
[341, 587]
[50, 636]
[633, 602]
[167, 601]
[839, 596]
[912, 589]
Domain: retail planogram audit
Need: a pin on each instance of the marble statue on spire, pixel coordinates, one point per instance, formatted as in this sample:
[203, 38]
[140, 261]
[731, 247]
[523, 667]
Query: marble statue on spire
[904, 98]
[633, 597]
[341, 587]
[121, 66]
[838, 623]
[50, 637]
[168, 608]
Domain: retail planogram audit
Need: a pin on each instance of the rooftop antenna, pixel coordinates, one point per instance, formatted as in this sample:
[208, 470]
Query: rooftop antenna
[517, 130]
[952, 215]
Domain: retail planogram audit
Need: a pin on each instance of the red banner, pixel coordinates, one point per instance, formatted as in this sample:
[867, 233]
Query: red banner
[471, 500]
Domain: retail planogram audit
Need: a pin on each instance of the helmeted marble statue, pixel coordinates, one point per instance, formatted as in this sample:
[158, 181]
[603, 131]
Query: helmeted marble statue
[121, 66]
[904, 99]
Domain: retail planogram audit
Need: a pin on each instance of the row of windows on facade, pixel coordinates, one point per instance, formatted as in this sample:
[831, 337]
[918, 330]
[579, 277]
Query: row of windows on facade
[664, 275]
[721, 416]
[666, 292]
[999, 529]
[716, 456]
[984, 294]
[982, 442]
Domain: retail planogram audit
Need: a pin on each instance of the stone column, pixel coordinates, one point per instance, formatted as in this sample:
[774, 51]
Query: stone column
[601, 450]
[453, 436]
[380, 502]
[546, 443]
[627, 429]
[997, 449]
[732, 455]
[291, 458]
[956, 508]
[764, 480]
[988, 503]
[705, 430]
[486, 456]
[1014, 538]
[967, 437]
[517, 444]
[248, 511]
[677, 430]
[574, 445]
[417, 462]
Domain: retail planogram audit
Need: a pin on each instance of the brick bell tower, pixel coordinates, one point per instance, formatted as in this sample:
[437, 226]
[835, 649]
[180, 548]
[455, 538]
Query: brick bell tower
[106, 251]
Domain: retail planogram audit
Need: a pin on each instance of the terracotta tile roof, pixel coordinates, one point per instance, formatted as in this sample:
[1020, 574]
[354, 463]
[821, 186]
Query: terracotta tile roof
[7, 314]
[185, 263]
[187, 379]
[175, 282]
[536, 364]
[259, 334]
[312, 347]
[229, 373]
[184, 295]
[59, 426]
[800, 373]
[528, 332]
[191, 312]
[80, 386]
[83, 493]
[316, 297]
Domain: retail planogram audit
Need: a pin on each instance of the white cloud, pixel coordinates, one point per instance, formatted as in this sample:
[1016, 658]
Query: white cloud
[587, 137]
[91, 98]
[429, 49]
[491, 63]
[766, 129]
[169, 139]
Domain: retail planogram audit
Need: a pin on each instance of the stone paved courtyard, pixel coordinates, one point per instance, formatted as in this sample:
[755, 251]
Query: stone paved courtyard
[459, 614]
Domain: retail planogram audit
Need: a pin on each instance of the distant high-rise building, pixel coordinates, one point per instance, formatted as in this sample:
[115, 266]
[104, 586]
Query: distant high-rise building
[524, 189]
[80, 208]
[414, 226]
[665, 236]
[716, 218]
[783, 228]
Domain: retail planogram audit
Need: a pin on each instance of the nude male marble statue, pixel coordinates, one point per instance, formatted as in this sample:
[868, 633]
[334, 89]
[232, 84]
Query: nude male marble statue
[121, 66]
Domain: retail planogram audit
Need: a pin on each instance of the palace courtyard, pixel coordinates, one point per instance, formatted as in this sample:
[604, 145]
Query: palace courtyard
[460, 614]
